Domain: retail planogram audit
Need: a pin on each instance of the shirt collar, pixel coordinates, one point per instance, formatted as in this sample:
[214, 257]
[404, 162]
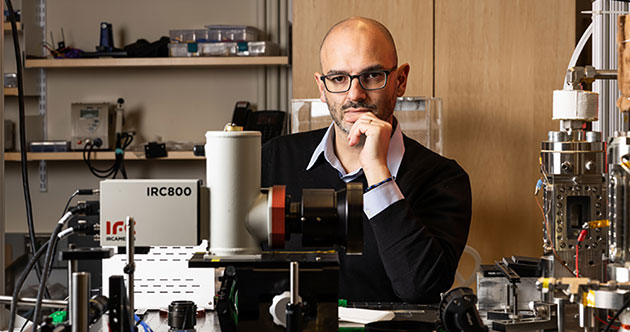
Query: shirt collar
[326, 147]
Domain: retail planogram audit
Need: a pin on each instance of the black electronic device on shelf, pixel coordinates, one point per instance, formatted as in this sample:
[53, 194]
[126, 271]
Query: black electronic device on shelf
[269, 123]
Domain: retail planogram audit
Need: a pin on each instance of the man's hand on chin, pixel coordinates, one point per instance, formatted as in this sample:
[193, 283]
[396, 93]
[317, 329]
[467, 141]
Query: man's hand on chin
[373, 155]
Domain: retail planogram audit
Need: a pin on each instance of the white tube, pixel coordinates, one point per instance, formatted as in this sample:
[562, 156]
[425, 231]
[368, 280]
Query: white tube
[233, 178]
[471, 278]
[578, 48]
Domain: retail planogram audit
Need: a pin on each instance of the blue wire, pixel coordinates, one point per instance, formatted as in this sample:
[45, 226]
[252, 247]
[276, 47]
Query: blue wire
[142, 323]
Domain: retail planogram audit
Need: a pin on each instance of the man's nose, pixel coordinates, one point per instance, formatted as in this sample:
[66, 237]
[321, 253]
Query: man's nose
[356, 91]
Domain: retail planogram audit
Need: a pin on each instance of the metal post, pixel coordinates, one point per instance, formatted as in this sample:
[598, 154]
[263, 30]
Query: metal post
[508, 295]
[131, 265]
[294, 307]
[294, 282]
[515, 300]
[561, 312]
[73, 266]
[80, 297]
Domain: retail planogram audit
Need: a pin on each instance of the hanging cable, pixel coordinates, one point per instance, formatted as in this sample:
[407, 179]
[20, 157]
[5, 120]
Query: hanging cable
[54, 238]
[22, 134]
[20, 283]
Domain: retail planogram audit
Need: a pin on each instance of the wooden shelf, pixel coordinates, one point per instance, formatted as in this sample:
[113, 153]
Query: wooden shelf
[158, 62]
[7, 26]
[99, 155]
[10, 91]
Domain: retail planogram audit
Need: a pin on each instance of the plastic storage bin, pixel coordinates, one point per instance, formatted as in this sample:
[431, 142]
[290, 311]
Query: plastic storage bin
[259, 48]
[178, 50]
[181, 36]
[218, 49]
[233, 33]
[189, 35]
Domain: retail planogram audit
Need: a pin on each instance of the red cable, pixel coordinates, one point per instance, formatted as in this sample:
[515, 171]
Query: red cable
[580, 238]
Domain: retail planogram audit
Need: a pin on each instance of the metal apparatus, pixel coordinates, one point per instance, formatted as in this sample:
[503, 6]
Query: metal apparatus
[591, 291]
[619, 200]
[242, 215]
[574, 205]
[92, 121]
[174, 206]
[573, 167]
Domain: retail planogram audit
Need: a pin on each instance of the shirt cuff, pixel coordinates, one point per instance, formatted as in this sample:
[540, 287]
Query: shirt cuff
[380, 198]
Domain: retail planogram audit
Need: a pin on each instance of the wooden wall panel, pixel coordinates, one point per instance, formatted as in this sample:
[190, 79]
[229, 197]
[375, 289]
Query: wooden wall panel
[410, 21]
[497, 63]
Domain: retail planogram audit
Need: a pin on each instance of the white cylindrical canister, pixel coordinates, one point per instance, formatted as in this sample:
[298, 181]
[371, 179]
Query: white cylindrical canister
[233, 178]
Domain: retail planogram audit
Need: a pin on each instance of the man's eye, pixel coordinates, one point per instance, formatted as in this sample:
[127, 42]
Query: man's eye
[337, 78]
[374, 75]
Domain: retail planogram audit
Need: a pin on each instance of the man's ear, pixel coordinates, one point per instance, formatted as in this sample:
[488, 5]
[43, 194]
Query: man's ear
[401, 79]
[320, 86]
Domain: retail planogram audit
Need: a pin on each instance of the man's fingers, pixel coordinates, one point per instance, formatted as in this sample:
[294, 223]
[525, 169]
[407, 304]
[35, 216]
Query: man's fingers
[361, 127]
[355, 133]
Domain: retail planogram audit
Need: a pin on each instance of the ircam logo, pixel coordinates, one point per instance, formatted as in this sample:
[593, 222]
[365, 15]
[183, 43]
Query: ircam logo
[113, 228]
[118, 226]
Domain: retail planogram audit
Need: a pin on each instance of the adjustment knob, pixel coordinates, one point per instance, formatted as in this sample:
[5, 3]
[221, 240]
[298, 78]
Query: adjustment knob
[278, 308]
[199, 150]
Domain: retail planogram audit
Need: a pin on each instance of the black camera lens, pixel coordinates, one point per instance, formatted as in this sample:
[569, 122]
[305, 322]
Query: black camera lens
[182, 315]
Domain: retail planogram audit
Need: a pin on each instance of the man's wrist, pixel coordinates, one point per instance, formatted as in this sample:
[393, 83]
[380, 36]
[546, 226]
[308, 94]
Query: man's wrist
[376, 175]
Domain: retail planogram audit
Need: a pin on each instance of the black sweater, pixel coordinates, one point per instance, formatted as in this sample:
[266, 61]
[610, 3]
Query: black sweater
[412, 248]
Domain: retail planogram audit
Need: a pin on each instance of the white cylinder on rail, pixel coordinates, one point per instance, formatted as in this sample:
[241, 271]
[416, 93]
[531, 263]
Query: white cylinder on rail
[233, 178]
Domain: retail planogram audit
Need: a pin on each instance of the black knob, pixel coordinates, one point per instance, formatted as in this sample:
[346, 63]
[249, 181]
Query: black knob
[199, 151]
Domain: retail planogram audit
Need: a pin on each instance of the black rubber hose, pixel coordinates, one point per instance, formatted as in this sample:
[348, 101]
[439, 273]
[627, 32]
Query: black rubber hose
[47, 265]
[20, 284]
[22, 129]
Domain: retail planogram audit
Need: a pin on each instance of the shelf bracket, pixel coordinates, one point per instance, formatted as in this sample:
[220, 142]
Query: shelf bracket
[43, 177]
[41, 19]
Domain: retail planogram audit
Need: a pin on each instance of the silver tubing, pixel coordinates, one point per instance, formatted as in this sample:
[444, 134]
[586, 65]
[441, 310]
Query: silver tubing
[72, 268]
[80, 298]
[294, 280]
[30, 302]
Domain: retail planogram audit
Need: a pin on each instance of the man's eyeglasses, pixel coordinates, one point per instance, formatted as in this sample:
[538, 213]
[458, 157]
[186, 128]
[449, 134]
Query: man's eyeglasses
[370, 80]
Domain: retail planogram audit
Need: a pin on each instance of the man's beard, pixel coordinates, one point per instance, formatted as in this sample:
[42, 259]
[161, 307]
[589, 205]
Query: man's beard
[337, 116]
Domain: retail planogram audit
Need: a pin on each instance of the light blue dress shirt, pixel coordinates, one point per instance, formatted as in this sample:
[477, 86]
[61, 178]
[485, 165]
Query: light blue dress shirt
[379, 198]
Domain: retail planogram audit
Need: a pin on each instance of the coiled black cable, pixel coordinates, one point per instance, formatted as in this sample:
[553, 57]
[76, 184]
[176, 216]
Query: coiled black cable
[122, 143]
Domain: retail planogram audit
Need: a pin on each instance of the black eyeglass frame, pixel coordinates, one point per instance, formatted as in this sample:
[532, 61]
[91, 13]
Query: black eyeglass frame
[352, 77]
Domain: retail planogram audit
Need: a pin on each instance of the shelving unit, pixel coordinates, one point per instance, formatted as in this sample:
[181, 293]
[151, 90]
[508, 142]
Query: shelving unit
[7, 26]
[157, 62]
[98, 155]
[167, 99]
[10, 91]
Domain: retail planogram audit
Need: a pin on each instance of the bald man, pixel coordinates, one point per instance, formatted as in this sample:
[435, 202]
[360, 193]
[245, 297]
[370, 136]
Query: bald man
[417, 204]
